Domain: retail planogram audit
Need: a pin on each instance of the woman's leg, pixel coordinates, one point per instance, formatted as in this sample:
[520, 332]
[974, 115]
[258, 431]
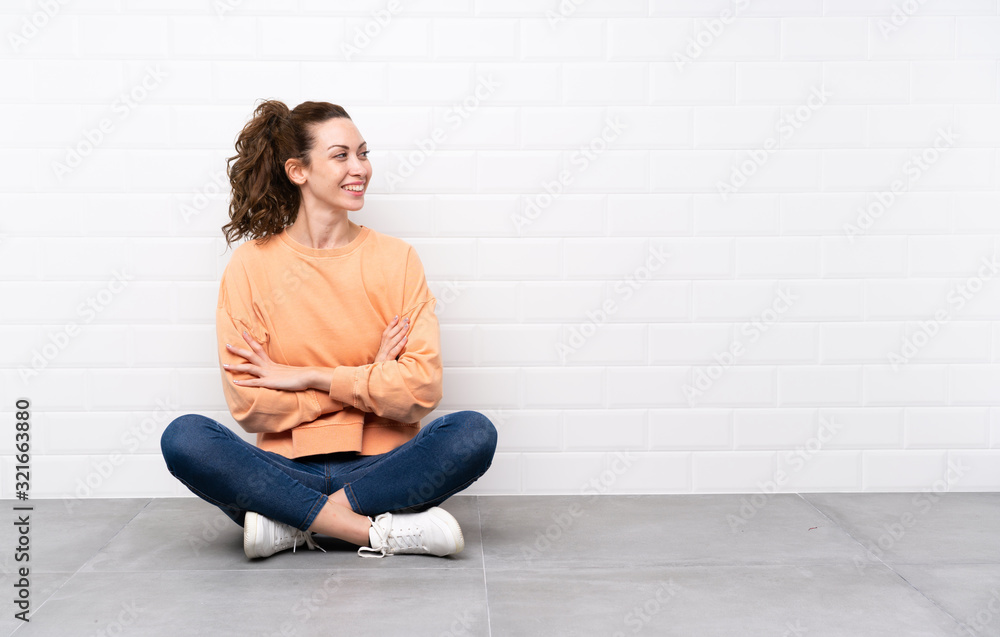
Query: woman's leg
[225, 470]
[445, 457]
[338, 519]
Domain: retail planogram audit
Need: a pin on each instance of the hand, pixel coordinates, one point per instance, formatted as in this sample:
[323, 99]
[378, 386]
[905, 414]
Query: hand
[269, 374]
[393, 340]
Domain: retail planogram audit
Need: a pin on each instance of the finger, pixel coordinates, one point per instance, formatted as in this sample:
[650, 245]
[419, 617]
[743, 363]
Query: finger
[401, 330]
[403, 327]
[238, 351]
[253, 369]
[249, 339]
[258, 350]
[395, 340]
[392, 330]
[398, 347]
[250, 382]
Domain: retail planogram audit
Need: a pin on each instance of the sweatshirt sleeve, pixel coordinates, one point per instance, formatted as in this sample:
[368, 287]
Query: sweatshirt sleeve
[410, 387]
[257, 409]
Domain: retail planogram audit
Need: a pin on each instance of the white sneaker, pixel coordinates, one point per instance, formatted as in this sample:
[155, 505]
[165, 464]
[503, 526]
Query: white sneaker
[430, 532]
[263, 537]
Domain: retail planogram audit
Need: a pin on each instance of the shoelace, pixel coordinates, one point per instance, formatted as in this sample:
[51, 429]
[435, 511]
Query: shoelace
[307, 536]
[382, 531]
[390, 538]
[405, 538]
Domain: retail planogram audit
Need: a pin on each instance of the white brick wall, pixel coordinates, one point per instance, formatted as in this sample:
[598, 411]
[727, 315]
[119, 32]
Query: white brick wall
[827, 324]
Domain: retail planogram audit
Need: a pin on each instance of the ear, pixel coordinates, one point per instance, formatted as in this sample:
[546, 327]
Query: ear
[295, 171]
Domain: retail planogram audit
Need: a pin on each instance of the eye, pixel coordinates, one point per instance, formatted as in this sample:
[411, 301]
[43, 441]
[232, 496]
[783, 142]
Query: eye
[365, 153]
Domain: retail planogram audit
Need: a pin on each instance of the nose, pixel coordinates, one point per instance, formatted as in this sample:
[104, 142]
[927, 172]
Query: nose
[357, 168]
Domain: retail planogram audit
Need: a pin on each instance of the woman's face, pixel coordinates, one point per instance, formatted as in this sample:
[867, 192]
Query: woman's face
[339, 159]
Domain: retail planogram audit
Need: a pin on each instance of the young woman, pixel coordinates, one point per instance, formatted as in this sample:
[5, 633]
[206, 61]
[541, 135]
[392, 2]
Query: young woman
[330, 353]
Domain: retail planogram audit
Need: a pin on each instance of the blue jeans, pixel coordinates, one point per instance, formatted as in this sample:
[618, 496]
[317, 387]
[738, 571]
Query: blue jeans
[446, 456]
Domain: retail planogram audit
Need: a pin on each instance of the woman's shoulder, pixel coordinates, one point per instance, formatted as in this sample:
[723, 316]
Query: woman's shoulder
[387, 241]
[248, 257]
[390, 248]
[255, 248]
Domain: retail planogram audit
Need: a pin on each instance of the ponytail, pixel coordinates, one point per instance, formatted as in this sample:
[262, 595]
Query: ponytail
[264, 201]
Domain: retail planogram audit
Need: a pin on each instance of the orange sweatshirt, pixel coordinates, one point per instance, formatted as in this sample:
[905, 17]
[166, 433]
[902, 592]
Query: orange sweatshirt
[328, 308]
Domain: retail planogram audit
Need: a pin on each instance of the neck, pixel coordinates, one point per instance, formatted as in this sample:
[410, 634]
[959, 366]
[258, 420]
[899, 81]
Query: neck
[323, 231]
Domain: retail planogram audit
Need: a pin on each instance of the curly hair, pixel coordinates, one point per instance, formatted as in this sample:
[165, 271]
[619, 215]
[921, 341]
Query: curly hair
[263, 199]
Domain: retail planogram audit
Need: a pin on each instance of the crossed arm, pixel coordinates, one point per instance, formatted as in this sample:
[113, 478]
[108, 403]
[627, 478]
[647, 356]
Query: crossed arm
[293, 378]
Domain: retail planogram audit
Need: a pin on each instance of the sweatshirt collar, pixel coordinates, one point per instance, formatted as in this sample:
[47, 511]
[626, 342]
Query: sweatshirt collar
[326, 252]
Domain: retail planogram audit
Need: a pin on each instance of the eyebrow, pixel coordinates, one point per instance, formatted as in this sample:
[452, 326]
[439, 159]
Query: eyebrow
[346, 147]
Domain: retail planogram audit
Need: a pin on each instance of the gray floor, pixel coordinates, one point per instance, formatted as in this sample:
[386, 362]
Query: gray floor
[692, 565]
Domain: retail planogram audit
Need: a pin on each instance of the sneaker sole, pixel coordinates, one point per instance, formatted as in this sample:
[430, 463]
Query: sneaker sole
[449, 520]
[250, 529]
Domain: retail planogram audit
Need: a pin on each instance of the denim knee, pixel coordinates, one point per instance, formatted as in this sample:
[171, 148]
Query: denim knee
[175, 442]
[481, 438]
